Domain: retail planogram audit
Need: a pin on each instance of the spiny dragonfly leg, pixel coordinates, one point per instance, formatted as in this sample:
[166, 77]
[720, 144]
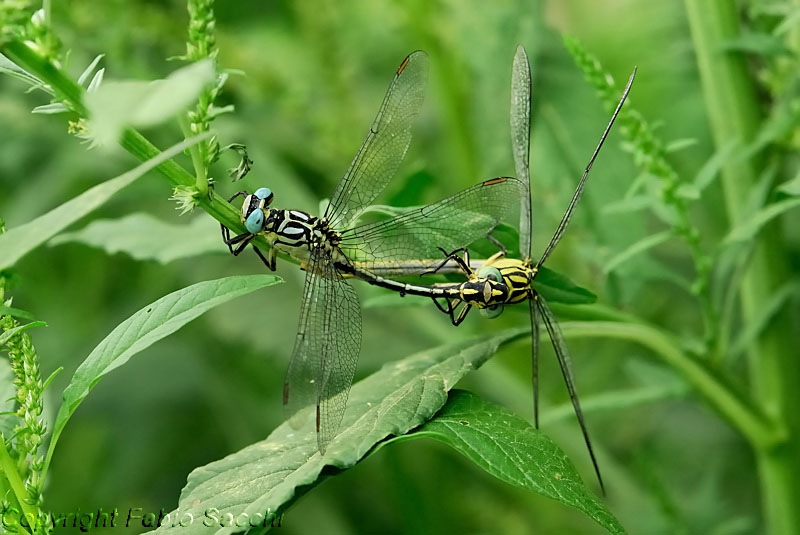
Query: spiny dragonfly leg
[494, 240]
[463, 263]
[269, 261]
[243, 245]
[461, 315]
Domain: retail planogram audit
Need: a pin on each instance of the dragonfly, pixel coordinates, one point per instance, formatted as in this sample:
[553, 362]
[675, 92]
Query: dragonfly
[332, 248]
[504, 281]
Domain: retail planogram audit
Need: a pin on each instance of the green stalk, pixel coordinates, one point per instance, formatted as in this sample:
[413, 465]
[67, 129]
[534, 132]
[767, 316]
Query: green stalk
[131, 140]
[734, 406]
[733, 113]
[10, 471]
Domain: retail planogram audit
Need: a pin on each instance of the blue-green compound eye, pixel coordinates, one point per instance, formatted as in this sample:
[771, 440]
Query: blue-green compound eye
[491, 273]
[491, 312]
[263, 193]
[255, 222]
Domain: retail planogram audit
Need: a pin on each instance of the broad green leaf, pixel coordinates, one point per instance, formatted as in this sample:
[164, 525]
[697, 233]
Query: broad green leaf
[147, 326]
[116, 104]
[636, 248]
[747, 230]
[17, 242]
[558, 288]
[267, 476]
[6, 335]
[145, 237]
[509, 448]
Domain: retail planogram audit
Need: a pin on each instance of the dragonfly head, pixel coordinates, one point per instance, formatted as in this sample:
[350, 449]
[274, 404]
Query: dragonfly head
[488, 291]
[253, 209]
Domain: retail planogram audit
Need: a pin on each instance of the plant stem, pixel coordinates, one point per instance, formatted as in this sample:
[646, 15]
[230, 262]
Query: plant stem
[734, 406]
[10, 470]
[733, 113]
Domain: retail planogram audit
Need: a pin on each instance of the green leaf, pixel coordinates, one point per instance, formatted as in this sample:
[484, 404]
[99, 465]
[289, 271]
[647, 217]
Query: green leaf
[791, 187]
[764, 44]
[144, 328]
[710, 170]
[558, 288]
[145, 237]
[6, 336]
[636, 248]
[748, 229]
[17, 313]
[50, 109]
[268, 475]
[17, 242]
[12, 69]
[509, 448]
[116, 104]
[90, 69]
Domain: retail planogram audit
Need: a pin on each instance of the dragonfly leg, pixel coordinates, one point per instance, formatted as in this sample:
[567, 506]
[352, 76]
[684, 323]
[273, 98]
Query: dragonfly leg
[243, 245]
[269, 260]
[463, 263]
[461, 315]
[496, 242]
[236, 195]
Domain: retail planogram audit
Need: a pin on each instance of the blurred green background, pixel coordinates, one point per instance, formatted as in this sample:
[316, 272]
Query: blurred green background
[314, 75]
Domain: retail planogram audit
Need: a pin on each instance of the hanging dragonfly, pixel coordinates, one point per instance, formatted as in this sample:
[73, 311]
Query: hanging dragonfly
[330, 249]
[503, 281]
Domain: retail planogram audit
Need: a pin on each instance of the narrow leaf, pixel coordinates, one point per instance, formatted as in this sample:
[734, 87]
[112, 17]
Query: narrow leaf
[90, 69]
[267, 476]
[145, 237]
[147, 326]
[19, 241]
[748, 229]
[17, 313]
[12, 69]
[637, 248]
[509, 448]
[50, 109]
[7, 335]
[791, 187]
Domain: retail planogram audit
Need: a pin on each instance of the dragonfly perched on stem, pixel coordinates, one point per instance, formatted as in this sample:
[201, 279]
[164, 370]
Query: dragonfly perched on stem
[503, 281]
[330, 249]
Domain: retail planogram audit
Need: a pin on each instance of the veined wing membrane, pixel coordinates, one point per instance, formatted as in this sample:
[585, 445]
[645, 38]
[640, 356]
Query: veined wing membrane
[325, 354]
[521, 141]
[451, 223]
[384, 147]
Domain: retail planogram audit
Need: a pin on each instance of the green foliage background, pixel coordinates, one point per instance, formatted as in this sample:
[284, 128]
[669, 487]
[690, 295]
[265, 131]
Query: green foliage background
[314, 77]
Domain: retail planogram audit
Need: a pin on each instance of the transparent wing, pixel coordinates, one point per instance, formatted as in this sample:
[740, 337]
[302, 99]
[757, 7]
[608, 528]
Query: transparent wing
[326, 350]
[384, 147]
[562, 226]
[342, 331]
[521, 141]
[565, 362]
[451, 223]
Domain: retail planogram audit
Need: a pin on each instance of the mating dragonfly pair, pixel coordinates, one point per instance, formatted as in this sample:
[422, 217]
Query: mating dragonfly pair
[331, 249]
